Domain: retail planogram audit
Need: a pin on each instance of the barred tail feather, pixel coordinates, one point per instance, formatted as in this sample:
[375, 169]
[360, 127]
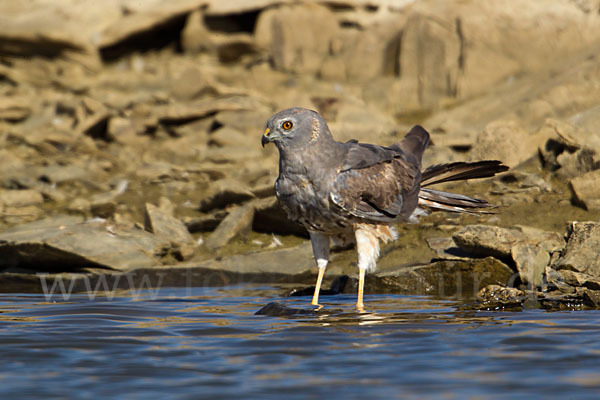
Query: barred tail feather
[430, 199]
[459, 171]
[437, 200]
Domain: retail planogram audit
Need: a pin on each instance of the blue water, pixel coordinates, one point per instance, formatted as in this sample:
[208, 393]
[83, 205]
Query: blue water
[207, 343]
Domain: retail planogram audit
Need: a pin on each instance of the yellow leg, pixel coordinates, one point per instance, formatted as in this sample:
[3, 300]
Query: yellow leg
[361, 288]
[315, 300]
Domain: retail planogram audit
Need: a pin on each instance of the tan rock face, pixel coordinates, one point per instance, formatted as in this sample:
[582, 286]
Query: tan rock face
[485, 240]
[20, 198]
[531, 261]
[586, 190]
[529, 248]
[298, 38]
[172, 97]
[14, 109]
[239, 221]
[570, 150]
[581, 251]
[169, 230]
[374, 52]
[452, 49]
[85, 245]
[506, 141]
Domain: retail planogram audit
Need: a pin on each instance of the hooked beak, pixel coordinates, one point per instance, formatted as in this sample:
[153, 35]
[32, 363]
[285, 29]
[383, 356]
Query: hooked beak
[266, 138]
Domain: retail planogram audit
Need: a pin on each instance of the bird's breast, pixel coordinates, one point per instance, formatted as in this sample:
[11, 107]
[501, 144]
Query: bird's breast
[297, 193]
[308, 204]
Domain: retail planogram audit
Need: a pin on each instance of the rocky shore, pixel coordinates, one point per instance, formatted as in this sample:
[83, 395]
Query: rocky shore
[130, 141]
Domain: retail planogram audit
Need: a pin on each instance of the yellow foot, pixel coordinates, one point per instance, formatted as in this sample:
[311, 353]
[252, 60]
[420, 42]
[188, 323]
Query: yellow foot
[360, 307]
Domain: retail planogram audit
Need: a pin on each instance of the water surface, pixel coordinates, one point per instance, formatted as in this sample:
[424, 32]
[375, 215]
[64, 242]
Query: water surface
[189, 343]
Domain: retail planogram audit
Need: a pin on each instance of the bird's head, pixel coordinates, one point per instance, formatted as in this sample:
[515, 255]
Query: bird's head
[294, 128]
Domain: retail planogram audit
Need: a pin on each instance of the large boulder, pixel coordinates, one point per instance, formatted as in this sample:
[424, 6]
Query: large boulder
[459, 278]
[586, 190]
[531, 262]
[170, 230]
[581, 254]
[505, 141]
[529, 248]
[489, 240]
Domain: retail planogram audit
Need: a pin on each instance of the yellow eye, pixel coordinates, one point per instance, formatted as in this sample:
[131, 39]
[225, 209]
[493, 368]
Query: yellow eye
[287, 125]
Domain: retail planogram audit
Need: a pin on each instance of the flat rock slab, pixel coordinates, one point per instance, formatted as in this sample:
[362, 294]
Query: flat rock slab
[95, 243]
[54, 221]
[14, 109]
[443, 278]
[20, 198]
[220, 7]
[278, 266]
[489, 240]
[446, 249]
[289, 261]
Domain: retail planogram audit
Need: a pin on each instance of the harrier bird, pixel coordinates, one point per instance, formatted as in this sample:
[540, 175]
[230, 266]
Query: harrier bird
[340, 190]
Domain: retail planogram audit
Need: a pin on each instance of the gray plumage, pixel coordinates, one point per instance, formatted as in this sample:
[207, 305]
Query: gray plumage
[335, 188]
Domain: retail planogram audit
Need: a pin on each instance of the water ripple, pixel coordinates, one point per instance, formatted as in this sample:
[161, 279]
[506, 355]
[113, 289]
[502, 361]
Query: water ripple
[207, 343]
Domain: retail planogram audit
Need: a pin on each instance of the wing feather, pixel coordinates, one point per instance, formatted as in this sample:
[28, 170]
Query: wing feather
[381, 183]
[381, 192]
[363, 155]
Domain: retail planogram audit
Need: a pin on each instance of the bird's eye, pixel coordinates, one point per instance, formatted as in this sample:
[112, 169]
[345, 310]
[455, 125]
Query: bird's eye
[287, 125]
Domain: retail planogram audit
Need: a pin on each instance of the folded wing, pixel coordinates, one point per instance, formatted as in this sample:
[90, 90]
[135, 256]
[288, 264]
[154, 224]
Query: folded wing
[381, 183]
